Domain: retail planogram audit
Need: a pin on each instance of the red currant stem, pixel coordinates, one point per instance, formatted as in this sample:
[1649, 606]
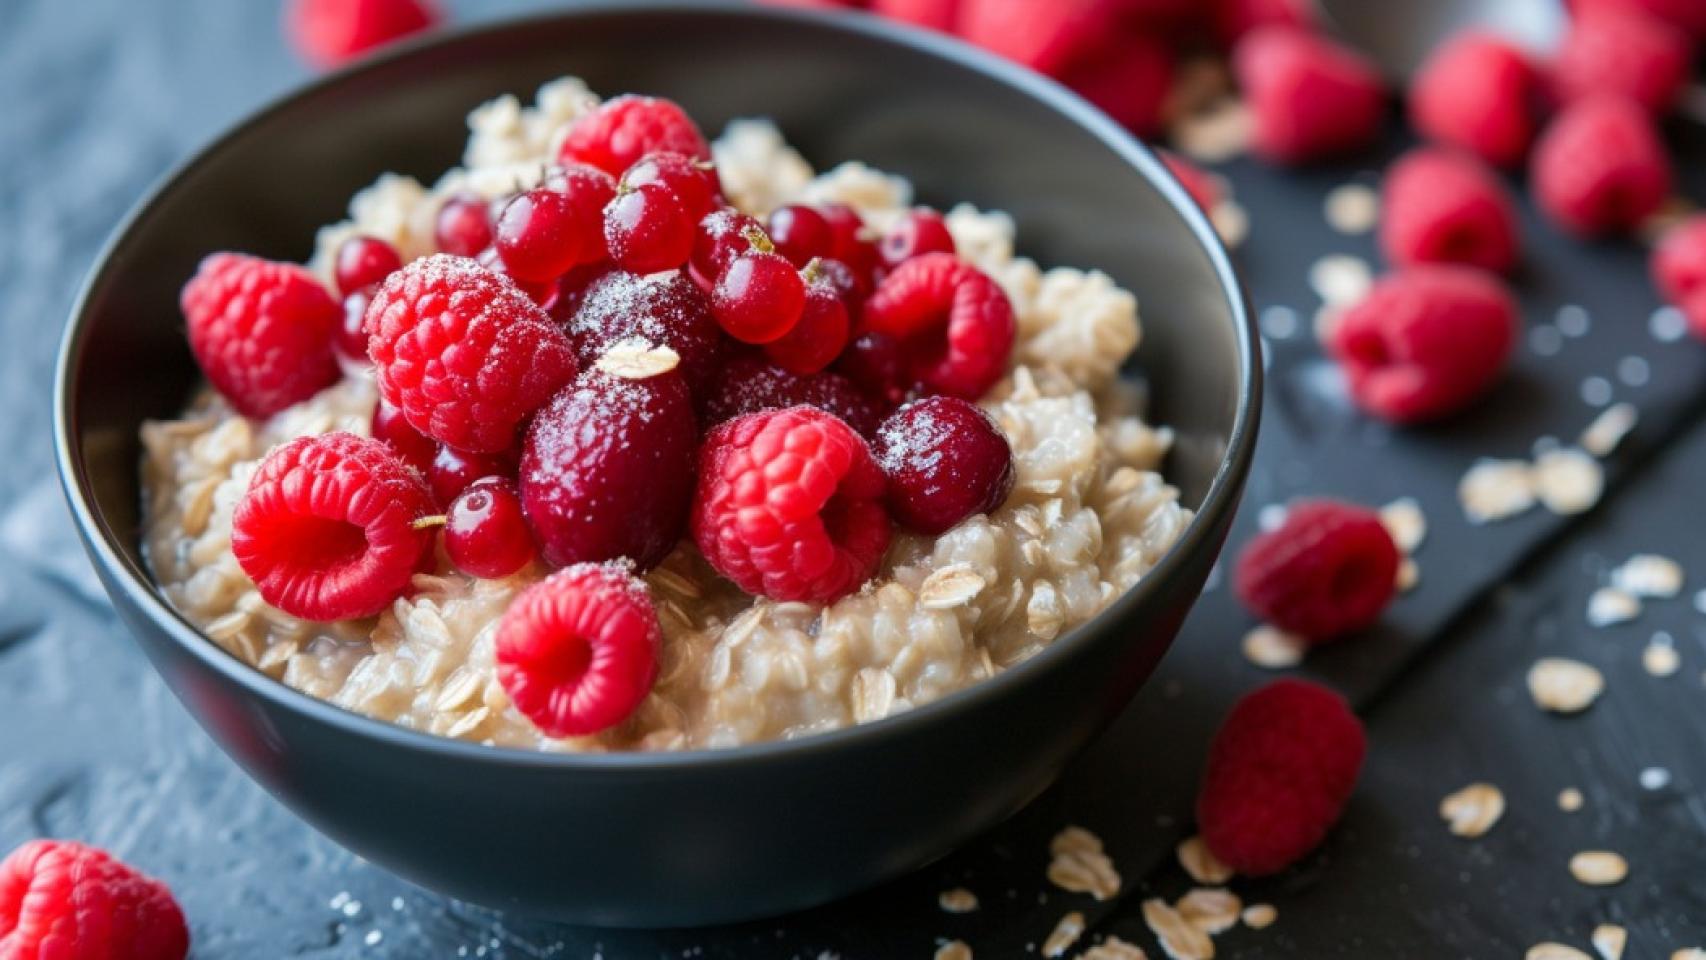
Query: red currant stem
[812, 271]
[759, 239]
[427, 523]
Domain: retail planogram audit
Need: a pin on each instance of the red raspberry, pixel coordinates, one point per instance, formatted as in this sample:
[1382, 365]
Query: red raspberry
[818, 337]
[1600, 167]
[578, 651]
[1679, 260]
[789, 505]
[1328, 570]
[607, 469]
[622, 131]
[751, 383]
[463, 352]
[934, 14]
[1478, 92]
[262, 331]
[1629, 54]
[61, 900]
[1199, 183]
[1129, 75]
[1310, 98]
[665, 309]
[1441, 206]
[327, 527]
[328, 32]
[945, 460]
[1234, 18]
[1279, 772]
[1043, 36]
[956, 324]
[1426, 342]
[1688, 16]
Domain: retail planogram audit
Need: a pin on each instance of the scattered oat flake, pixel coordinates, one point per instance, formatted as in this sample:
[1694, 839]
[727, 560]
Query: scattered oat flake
[1352, 208]
[1404, 520]
[1210, 909]
[1570, 800]
[1568, 481]
[1114, 948]
[1660, 658]
[1200, 862]
[1218, 132]
[1340, 278]
[952, 586]
[1609, 428]
[1609, 939]
[1064, 934]
[953, 950]
[1271, 648]
[1259, 916]
[1080, 866]
[1231, 221]
[1409, 574]
[1179, 939]
[1496, 489]
[1564, 686]
[1648, 575]
[1609, 605]
[1599, 868]
[637, 358]
[1554, 951]
[1689, 953]
[957, 900]
[1473, 810]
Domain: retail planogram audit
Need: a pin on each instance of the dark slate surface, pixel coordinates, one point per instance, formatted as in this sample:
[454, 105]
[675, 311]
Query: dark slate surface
[107, 94]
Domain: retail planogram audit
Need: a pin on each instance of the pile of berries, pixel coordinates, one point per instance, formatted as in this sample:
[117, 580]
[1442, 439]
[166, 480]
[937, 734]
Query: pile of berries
[590, 371]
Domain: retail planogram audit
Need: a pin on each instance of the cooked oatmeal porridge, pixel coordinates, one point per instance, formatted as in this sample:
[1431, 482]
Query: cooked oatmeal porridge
[1088, 515]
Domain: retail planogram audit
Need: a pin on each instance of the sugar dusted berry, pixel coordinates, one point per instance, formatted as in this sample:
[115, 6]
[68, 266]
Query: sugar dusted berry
[945, 460]
[664, 309]
[800, 233]
[262, 331]
[1480, 93]
[1623, 53]
[1310, 98]
[759, 296]
[751, 383]
[578, 651]
[789, 505]
[1600, 167]
[722, 235]
[621, 131]
[647, 229]
[544, 232]
[692, 181]
[463, 353]
[485, 530]
[327, 527]
[920, 231]
[61, 900]
[955, 323]
[816, 340]
[1443, 206]
[363, 261]
[1279, 772]
[1328, 570]
[463, 226]
[328, 32]
[607, 469]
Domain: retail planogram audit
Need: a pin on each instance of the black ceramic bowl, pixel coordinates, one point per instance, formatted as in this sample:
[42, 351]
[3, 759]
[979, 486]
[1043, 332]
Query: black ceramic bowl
[682, 838]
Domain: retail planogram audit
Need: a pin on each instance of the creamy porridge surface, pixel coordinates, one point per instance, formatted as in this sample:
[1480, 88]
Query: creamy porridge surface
[1088, 517]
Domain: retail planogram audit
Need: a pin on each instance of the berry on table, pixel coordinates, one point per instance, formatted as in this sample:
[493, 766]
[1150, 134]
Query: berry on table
[1679, 260]
[955, 323]
[1328, 570]
[453, 471]
[329, 32]
[789, 505]
[1688, 16]
[759, 295]
[945, 460]
[664, 309]
[463, 352]
[1310, 99]
[62, 900]
[1425, 342]
[1600, 167]
[1480, 93]
[392, 429]
[261, 331]
[647, 229]
[1442, 206]
[1629, 54]
[693, 181]
[327, 527]
[816, 340]
[1279, 773]
[607, 469]
[363, 261]
[544, 232]
[920, 231]
[621, 131]
[578, 651]
[463, 226]
[751, 383]
[485, 530]
[800, 233]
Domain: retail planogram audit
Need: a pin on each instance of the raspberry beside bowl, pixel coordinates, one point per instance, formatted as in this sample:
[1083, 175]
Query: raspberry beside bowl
[777, 826]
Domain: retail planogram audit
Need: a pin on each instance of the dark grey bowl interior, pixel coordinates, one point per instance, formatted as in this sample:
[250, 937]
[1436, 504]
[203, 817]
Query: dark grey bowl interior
[700, 837]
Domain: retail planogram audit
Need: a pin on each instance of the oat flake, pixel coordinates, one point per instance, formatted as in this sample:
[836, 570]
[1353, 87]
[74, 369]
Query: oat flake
[1649, 575]
[1599, 868]
[637, 358]
[1608, 429]
[1570, 800]
[1080, 866]
[1219, 132]
[1231, 221]
[1554, 951]
[1340, 278]
[1404, 520]
[1660, 658]
[1609, 605]
[1179, 939]
[1568, 481]
[1564, 686]
[1271, 648]
[957, 900]
[1474, 810]
[1689, 953]
[1352, 208]
[1409, 574]
[1609, 939]
[1200, 862]
[1210, 909]
[949, 587]
[1259, 916]
[1496, 489]
[1064, 934]
[1114, 948]
[953, 950]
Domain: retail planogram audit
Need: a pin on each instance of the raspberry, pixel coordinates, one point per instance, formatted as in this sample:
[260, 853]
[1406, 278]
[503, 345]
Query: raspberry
[328, 32]
[1279, 772]
[1600, 167]
[607, 469]
[1328, 570]
[1441, 206]
[1478, 92]
[821, 332]
[622, 131]
[262, 331]
[665, 309]
[1426, 342]
[1688, 16]
[751, 383]
[945, 461]
[578, 651]
[1199, 183]
[326, 529]
[1679, 260]
[61, 900]
[1043, 36]
[485, 530]
[1129, 75]
[956, 324]
[1310, 99]
[789, 505]
[1628, 54]
[463, 352]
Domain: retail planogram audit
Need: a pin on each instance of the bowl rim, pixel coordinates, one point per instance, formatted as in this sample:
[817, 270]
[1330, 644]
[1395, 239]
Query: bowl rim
[1218, 503]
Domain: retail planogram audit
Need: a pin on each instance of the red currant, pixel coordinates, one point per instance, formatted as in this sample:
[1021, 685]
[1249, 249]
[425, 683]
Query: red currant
[453, 470]
[350, 341]
[759, 296]
[721, 236]
[545, 231]
[485, 531]
[694, 182]
[363, 261]
[852, 244]
[542, 292]
[921, 231]
[647, 229]
[875, 363]
[801, 234]
[463, 226]
[821, 332]
[414, 447]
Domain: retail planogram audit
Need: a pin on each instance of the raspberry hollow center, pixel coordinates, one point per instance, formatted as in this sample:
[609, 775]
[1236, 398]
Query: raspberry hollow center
[319, 543]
